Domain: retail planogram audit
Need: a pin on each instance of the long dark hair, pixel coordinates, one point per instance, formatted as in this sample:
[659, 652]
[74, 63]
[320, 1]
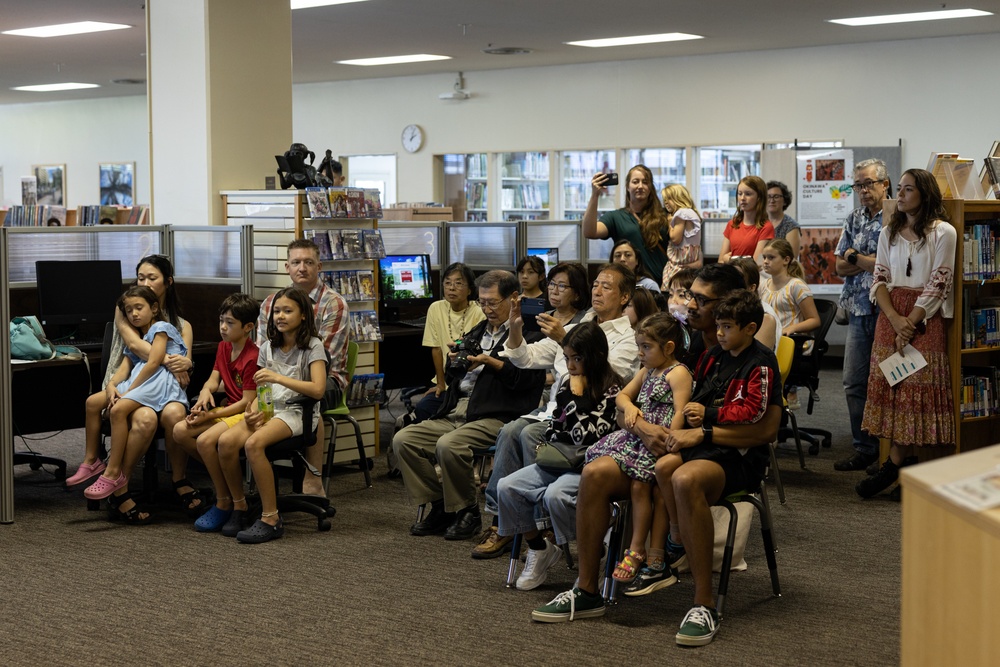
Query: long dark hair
[306, 331]
[171, 304]
[147, 295]
[653, 217]
[588, 340]
[640, 266]
[931, 207]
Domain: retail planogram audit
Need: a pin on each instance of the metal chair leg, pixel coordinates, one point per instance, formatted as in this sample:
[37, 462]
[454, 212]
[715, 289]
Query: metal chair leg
[777, 473]
[515, 555]
[621, 514]
[727, 556]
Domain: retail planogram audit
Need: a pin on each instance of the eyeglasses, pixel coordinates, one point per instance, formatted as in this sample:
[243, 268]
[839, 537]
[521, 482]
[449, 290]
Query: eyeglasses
[491, 305]
[682, 293]
[559, 287]
[865, 185]
[458, 284]
[775, 197]
[701, 299]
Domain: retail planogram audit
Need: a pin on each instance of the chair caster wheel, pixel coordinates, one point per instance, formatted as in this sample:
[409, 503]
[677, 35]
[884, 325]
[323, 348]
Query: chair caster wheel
[331, 511]
[324, 525]
[35, 466]
[814, 449]
[826, 443]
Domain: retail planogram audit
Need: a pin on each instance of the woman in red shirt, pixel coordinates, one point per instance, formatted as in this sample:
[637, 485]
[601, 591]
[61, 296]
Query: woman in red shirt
[749, 229]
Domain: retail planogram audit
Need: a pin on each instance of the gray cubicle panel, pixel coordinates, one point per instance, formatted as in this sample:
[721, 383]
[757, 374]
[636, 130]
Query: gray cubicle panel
[6, 418]
[407, 238]
[212, 254]
[564, 235]
[483, 246]
[599, 250]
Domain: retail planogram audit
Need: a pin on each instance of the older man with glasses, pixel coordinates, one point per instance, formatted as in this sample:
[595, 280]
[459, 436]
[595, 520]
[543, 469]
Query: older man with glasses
[856, 263]
[485, 391]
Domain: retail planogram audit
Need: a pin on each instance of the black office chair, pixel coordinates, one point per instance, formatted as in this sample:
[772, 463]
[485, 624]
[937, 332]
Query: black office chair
[805, 373]
[293, 449]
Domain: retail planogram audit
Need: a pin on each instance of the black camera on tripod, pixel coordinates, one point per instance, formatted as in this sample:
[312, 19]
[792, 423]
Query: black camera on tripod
[464, 348]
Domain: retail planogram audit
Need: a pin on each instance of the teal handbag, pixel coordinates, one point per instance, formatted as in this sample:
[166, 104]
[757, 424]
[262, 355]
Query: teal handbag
[28, 341]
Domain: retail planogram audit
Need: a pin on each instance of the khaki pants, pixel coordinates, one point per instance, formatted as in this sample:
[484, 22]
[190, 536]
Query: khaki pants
[450, 441]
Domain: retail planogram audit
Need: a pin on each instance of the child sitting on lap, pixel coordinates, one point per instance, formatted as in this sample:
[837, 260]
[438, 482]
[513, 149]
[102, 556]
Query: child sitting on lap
[235, 365]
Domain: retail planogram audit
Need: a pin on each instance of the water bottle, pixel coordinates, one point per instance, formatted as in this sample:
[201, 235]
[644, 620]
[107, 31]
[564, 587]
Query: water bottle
[265, 401]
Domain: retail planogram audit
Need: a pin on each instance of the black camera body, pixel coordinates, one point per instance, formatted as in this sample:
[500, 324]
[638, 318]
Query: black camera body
[463, 348]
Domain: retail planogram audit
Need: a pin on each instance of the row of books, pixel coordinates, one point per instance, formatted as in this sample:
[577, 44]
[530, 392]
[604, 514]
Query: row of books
[531, 165]
[88, 216]
[978, 396]
[981, 259]
[352, 285]
[475, 195]
[364, 326]
[341, 244]
[35, 216]
[344, 202]
[980, 326]
[524, 196]
[365, 390]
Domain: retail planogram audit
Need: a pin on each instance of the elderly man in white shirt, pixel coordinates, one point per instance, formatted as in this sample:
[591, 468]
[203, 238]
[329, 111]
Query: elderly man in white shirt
[515, 448]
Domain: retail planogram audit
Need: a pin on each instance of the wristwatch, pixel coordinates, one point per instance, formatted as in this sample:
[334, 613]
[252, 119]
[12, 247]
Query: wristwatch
[706, 432]
[852, 258]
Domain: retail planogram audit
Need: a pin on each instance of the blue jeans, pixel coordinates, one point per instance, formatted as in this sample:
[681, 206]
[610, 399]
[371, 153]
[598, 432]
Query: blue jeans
[515, 449]
[857, 364]
[521, 493]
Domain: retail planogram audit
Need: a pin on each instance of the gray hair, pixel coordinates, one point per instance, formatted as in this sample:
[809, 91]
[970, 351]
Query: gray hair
[881, 172]
[505, 281]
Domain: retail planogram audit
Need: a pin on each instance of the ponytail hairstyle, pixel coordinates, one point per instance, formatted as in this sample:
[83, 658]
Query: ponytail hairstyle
[784, 249]
[653, 219]
[589, 341]
[664, 328]
[306, 330]
[171, 304]
[757, 184]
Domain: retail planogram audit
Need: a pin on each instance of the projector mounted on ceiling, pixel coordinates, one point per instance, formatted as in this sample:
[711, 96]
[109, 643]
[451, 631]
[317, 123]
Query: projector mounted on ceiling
[459, 93]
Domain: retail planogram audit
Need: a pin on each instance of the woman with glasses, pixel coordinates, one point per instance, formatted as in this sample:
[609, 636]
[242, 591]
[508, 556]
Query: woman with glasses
[642, 221]
[568, 292]
[749, 230]
[779, 198]
[448, 320]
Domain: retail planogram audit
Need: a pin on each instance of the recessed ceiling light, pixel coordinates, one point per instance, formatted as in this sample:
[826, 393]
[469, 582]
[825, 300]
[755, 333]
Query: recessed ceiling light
[66, 29]
[636, 39]
[49, 87]
[306, 4]
[909, 18]
[393, 60]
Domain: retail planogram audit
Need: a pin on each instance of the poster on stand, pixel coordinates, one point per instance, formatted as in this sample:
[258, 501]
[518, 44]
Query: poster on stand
[824, 186]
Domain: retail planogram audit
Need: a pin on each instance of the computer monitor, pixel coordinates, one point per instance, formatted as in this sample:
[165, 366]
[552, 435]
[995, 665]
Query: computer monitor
[78, 293]
[405, 280]
[549, 256]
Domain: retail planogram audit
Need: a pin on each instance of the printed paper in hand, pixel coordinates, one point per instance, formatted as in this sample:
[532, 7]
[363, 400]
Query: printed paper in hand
[901, 365]
[979, 492]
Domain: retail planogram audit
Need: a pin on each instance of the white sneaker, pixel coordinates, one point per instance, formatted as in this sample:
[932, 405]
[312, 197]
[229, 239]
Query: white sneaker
[537, 565]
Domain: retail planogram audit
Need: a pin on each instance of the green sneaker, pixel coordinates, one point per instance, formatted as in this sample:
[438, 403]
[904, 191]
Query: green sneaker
[569, 606]
[698, 627]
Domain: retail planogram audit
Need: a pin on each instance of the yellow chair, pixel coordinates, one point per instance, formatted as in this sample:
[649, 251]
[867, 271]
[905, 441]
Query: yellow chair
[343, 413]
[786, 352]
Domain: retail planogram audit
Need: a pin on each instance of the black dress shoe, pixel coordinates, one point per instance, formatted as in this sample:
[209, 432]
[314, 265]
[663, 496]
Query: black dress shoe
[435, 523]
[880, 481]
[857, 462]
[468, 523]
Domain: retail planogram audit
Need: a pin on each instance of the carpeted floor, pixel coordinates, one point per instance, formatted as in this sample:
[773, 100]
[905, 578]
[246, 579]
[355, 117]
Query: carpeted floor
[76, 589]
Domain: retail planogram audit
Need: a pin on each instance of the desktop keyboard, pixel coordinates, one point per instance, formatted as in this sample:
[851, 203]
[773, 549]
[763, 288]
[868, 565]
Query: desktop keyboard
[82, 343]
[416, 324]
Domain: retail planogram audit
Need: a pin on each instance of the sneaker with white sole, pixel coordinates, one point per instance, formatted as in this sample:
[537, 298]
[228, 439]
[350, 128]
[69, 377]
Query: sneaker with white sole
[536, 566]
[698, 627]
[570, 605]
[651, 580]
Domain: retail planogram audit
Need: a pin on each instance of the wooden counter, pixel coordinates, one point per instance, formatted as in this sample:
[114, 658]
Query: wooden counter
[951, 568]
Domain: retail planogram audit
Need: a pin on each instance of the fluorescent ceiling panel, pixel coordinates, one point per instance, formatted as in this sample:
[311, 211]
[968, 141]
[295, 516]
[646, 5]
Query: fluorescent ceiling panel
[66, 29]
[306, 4]
[393, 60]
[636, 39]
[910, 18]
[50, 87]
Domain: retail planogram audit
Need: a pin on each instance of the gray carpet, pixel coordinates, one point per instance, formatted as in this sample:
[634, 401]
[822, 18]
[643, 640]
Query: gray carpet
[78, 590]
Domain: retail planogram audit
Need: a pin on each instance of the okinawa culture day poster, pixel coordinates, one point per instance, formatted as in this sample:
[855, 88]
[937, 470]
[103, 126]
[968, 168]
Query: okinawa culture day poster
[824, 186]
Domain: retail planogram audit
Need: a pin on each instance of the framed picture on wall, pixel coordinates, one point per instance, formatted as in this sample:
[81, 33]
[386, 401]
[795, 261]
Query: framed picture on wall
[117, 183]
[51, 179]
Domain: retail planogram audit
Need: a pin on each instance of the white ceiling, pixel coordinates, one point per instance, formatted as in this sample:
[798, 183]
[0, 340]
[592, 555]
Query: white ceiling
[393, 27]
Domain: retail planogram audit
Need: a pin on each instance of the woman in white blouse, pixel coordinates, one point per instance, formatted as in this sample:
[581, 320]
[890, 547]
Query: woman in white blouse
[914, 269]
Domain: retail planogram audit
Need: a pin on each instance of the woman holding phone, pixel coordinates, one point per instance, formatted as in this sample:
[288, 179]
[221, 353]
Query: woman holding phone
[643, 221]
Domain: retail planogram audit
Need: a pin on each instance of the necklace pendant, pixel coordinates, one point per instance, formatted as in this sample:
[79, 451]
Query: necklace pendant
[909, 266]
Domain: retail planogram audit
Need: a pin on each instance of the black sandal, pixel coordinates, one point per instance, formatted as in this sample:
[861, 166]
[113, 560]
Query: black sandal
[186, 499]
[133, 515]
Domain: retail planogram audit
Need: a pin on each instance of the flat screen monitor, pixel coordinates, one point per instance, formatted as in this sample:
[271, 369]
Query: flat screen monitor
[78, 292]
[405, 280]
[549, 256]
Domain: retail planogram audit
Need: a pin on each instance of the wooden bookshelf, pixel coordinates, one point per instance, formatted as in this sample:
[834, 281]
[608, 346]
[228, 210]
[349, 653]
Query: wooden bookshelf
[971, 432]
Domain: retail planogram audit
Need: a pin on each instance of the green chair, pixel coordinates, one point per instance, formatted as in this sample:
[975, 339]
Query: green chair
[343, 413]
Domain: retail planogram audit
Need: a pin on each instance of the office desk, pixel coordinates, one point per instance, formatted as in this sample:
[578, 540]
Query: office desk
[403, 358]
[951, 583]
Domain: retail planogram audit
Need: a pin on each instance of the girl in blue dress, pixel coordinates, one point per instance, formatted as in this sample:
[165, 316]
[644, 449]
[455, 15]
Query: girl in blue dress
[657, 394]
[135, 385]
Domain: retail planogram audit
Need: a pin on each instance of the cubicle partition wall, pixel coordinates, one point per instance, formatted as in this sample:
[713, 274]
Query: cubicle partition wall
[412, 238]
[483, 247]
[6, 417]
